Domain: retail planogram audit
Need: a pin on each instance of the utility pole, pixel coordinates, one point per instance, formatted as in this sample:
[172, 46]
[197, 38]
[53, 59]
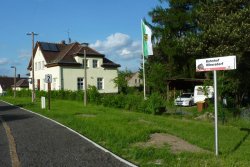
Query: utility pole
[33, 81]
[85, 45]
[14, 81]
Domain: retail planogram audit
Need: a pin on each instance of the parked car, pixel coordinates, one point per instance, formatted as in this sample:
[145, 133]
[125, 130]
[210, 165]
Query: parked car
[186, 99]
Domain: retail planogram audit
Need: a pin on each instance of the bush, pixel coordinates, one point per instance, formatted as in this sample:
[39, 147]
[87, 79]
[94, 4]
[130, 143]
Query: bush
[93, 95]
[134, 103]
[155, 104]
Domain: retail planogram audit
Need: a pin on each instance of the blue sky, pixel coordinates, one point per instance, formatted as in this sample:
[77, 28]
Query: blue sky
[111, 27]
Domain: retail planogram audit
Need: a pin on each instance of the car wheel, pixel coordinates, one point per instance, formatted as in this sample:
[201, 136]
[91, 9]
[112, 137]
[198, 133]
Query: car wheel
[190, 104]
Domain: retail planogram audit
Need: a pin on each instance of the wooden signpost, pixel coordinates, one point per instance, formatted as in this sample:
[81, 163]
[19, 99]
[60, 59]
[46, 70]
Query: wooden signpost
[48, 79]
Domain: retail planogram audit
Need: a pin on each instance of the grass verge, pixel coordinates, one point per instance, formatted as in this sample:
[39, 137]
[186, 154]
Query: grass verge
[118, 130]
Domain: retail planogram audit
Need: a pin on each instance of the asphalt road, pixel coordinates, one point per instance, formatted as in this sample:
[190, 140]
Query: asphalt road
[41, 142]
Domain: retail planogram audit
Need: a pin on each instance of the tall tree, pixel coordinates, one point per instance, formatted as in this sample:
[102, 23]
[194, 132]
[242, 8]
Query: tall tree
[189, 29]
[225, 30]
[171, 26]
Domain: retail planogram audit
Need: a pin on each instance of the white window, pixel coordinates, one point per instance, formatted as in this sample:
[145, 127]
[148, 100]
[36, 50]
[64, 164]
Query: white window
[80, 83]
[87, 63]
[95, 63]
[42, 65]
[35, 66]
[100, 84]
[39, 65]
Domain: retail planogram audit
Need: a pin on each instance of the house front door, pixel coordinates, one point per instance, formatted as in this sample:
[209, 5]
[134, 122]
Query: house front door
[38, 84]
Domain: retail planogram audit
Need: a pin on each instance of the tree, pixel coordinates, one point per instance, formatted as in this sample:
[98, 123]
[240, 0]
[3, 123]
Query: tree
[121, 81]
[171, 27]
[225, 30]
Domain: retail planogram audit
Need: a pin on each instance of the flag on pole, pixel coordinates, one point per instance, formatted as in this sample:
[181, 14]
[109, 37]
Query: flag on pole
[147, 48]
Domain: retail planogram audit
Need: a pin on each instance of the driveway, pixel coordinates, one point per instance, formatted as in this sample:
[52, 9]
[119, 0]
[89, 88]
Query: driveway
[27, 139]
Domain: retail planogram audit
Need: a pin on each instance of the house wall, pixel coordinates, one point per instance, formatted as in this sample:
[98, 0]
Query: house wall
[66, 77]
[70, 76]
[40, 72]
[19, 88]
[135, 81]
[1, 89]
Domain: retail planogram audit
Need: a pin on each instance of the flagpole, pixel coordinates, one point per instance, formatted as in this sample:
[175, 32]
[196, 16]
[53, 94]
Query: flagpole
[144, 79]
[143, 64]
[146, 50]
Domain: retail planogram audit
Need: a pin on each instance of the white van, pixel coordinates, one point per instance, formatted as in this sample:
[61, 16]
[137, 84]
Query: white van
[199, 93]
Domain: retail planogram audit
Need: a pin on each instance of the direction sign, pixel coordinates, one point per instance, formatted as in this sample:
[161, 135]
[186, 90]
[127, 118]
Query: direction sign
[48, 78]
[216, 63]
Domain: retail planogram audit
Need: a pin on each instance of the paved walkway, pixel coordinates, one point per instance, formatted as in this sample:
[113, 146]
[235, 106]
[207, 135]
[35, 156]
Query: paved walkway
[27, 139]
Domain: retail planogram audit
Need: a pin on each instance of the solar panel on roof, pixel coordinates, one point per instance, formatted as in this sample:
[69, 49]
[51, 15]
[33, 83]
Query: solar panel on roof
[53, 47]
[49, 47]
[45, 46]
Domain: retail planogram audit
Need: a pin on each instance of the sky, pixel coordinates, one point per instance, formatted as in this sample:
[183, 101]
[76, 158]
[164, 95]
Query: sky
[112, 27]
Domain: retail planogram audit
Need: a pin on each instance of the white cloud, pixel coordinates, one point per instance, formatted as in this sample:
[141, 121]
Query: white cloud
[3, 61]
[125, 52]
[121, 49]
[118, 46]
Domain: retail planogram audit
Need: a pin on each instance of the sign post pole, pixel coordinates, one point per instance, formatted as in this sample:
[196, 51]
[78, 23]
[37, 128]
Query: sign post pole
[214, 64]
[49, 88]
[48, 79]
[215, 113]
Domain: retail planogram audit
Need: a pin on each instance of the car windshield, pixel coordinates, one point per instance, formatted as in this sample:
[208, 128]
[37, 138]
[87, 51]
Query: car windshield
[185, 95]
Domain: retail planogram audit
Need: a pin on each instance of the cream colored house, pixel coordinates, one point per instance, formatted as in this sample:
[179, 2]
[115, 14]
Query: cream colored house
[134, 80]
[65, 63]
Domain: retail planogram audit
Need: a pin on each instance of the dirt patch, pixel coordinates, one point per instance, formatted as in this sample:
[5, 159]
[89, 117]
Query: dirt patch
[87, 115]
[144, 121]
[177, 144]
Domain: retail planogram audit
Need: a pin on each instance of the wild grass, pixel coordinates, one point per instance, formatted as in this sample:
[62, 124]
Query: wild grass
[119, 130]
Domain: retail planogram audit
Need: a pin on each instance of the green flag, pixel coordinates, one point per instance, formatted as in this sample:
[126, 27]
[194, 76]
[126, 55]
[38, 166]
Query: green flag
[146, 40]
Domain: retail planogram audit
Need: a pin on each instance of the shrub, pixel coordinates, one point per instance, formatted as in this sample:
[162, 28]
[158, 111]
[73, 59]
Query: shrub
[155, 104]
[93, 95]
[133, 102]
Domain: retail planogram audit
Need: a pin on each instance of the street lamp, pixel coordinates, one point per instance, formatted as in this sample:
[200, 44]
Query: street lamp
[14, 81]
[85, 45]
[33, 83]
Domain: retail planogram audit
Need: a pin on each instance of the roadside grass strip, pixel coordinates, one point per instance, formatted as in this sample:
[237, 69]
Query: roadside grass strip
[119, 130]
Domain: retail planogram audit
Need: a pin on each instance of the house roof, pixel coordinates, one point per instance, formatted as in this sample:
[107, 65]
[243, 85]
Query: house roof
[22, 83]
[7, 82]
[132, 75]
[109, 63]
[62, 54]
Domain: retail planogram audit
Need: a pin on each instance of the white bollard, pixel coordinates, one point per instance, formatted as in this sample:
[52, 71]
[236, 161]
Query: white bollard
[43, 102]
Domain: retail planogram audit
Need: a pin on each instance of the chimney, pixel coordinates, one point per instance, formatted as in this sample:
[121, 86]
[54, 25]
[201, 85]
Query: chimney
[18, 76]
[63, 42]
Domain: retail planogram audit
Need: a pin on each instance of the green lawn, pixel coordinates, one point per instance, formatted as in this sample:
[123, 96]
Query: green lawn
[118, 130]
